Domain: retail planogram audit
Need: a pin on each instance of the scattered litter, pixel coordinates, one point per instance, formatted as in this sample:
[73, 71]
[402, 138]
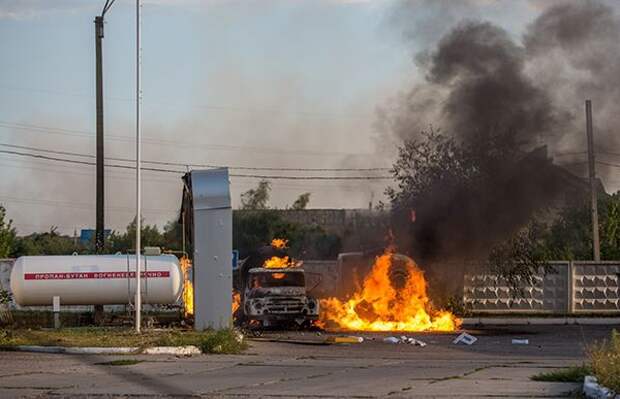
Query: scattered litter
[238, 336]
[520, 341]
[404, 340]
[346, 340]
[465, 338]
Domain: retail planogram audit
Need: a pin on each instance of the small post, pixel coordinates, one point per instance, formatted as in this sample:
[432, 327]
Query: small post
[593, 188]
[56, 310]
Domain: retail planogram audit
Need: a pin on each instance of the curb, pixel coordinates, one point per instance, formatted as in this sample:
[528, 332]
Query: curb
[157, 350]
[591, 389]
[539, 321]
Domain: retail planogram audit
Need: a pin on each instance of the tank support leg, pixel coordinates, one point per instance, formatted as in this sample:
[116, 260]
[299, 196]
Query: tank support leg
[99, 315]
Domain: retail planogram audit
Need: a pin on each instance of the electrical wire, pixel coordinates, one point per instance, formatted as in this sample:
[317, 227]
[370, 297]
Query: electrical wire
[169, 143]
[162, 170]
[195, 165]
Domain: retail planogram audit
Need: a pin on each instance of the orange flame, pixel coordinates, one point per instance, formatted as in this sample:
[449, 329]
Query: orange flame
[276, 262]
[279, 243]
[278, 276]
[379, 306]
[188, 287]
[236, 301]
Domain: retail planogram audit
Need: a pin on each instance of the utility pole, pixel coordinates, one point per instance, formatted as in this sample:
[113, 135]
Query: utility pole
[138, 299]
[100, 194]
[593, 187]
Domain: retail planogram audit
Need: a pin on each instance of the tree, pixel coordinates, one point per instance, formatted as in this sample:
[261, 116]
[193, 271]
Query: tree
[471, 200]
[519, 258]
[570, 236]
[173, 235]
[126, 242]
[7, 234]
[48, 243]
[256, 198]
[252, 229]
[301, 202]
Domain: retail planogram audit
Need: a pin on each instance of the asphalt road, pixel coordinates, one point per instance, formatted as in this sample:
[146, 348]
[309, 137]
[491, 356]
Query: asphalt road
[301, 368]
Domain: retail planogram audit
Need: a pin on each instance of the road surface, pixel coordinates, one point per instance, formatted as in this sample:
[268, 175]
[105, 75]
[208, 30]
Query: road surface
[492, 367]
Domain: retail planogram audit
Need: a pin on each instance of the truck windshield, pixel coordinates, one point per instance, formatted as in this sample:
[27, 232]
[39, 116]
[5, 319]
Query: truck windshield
[277, 279]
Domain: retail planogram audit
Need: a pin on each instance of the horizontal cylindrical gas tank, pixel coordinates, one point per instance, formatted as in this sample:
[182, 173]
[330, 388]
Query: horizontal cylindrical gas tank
[95, 279]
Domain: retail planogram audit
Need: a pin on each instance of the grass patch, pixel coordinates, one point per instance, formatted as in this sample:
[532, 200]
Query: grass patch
[120, 362]
[571, 374]
[605, 361]
[225, 341]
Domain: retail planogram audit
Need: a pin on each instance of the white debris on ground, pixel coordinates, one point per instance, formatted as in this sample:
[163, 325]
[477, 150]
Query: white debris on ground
[404, 340]
[516, 341]
[592, 389]
[465, 338]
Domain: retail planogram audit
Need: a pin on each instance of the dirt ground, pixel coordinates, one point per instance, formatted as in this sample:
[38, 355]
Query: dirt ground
[300, 365]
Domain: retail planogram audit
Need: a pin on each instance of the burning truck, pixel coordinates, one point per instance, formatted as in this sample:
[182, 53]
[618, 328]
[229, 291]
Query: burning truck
[270, 290]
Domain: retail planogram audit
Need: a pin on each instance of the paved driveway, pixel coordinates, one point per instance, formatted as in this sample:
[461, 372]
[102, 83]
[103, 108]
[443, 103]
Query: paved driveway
[492, 367]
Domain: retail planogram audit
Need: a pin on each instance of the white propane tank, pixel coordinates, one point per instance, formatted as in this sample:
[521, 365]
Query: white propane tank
[95, 279]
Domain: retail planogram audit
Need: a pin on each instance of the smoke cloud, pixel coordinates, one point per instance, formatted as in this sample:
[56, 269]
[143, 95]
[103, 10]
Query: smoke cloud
[481, 85]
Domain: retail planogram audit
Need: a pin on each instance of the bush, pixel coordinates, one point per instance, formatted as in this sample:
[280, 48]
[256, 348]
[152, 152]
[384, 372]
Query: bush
[605, 362]
[571, 374]
[223, 341]
[5, 297]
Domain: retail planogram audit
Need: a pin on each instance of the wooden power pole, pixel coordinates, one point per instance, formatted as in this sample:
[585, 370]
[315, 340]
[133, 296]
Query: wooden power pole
[593, 185]
[100, 193]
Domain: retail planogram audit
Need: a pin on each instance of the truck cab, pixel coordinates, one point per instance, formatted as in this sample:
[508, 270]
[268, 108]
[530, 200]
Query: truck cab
[273, 296]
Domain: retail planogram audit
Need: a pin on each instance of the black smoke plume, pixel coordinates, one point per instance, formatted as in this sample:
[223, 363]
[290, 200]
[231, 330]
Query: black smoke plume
[508, 102]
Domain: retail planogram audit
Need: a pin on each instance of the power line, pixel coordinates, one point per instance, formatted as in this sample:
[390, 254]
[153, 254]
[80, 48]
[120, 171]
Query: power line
[168, 143]
[197, 165]
[228, 108]
[605, 152]
[560, 154]
[81, 205]
[252, 176]
[615, 165]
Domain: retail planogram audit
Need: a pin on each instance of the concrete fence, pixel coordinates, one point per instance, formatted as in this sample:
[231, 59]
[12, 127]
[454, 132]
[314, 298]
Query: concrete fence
[577, 287]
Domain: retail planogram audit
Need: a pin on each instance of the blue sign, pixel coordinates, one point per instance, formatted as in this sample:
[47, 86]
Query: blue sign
[88, 235]
[235, 259]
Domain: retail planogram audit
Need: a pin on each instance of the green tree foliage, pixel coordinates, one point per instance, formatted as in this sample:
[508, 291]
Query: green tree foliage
[48, 243]
[173, 235]
[257, 198]
[520, 257]
[301, 202]
[252, 229]
[455, 200]
[7, 234]
[126, 242]
[570, 236]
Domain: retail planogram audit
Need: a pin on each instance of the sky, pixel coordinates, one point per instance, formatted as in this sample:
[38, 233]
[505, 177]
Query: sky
[253, 83]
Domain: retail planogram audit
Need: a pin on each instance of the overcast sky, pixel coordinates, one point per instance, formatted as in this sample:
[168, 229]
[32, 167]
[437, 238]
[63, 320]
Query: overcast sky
[269, 83]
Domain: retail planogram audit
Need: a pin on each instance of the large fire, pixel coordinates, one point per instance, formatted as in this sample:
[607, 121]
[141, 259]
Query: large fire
[277, 262]
[379, 306]
[188, 287]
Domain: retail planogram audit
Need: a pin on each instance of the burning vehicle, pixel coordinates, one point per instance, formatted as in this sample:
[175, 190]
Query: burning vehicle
[383, 293]
[271, 290]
